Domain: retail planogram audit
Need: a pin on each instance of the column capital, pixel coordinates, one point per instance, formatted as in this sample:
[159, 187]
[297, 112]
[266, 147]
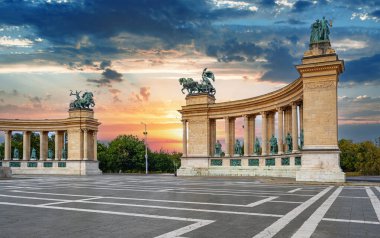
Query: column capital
[294, 104]
[183, 120]
[85, 130]
[264, 114]
[280, 109]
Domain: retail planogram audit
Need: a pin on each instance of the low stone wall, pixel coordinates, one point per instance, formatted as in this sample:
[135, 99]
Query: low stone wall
[285, 165]
[54, 167]
[5, 172]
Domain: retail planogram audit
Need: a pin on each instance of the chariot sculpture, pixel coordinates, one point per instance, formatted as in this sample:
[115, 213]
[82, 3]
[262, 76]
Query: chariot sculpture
[204, 86]
[86, 101]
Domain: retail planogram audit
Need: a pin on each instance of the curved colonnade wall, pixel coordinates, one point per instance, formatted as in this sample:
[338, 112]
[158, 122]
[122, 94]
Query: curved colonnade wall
[78, 157]
[306, 112]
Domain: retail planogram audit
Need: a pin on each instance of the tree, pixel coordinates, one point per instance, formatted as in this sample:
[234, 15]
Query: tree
[2, 151]
[126, 153]
[368, 158]
[348, 155]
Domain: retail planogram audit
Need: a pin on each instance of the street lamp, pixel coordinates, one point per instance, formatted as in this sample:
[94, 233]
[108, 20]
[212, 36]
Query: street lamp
[146, 148]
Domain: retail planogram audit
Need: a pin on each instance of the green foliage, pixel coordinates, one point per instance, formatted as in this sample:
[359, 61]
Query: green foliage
[361, 157]
[126, 153]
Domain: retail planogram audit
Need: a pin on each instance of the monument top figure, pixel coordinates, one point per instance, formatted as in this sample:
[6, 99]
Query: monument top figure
[84, 102]
[320, 38]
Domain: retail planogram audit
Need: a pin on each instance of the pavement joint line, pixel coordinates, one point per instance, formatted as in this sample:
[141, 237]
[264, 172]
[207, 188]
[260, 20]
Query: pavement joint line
[309, 226]
[198, 222]
[180, 208]
[278, 225]
[353, 197]
[375, 201]
[183, 230]
[254, 204]
[280, 201]
[35, 198]
[294, 190]
[352, 221]
[138, 199]
[53, 203]
[233, 193]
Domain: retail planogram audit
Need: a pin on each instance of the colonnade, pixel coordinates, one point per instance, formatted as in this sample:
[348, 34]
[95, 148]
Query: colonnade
[287, 119]
[89, 146]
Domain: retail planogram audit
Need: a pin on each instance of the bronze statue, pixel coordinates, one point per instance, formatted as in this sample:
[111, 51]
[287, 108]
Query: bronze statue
[320, 31]
[86, 101]
[301, 139]
[289, 142]
[204, 86]
[50, 154]
[33, 155]
[273, 145]
[16, 154]
[218, 148]
[238, 149]
[257, 147]
[64, 154]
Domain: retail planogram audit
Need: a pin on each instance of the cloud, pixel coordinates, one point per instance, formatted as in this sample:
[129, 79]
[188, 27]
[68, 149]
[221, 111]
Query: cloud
[362, 70]
[234, 50]
[291, 21]
[359, 109]
[105, 64]
[301, 6]
[145, 93]
[108, 77]
[115, 94]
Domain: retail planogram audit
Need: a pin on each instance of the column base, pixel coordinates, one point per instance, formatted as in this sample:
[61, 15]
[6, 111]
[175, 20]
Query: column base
[305, 175]
[321, 165]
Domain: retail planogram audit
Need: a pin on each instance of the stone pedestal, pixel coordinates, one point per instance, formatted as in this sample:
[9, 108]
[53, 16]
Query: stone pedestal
[320, 154]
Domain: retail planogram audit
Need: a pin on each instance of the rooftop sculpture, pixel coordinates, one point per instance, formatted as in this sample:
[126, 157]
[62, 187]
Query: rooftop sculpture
[204, 86]
[86, 101]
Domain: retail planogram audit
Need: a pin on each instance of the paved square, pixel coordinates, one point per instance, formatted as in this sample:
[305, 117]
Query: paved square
[168, 206]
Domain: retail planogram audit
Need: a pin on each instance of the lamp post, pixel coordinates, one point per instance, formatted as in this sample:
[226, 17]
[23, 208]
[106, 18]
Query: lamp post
[146, 148]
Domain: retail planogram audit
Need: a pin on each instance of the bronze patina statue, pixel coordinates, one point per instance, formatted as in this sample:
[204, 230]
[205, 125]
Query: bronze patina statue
[86, 101]
[289, 142]
[218, 148]
[238, 149]
[273, 145]
[204, 86]
[320, 31]
[257, 147]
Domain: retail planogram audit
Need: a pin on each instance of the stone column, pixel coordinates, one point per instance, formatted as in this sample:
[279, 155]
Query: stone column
[251, 134]
[246, 135]
[7, 145]
[227, 135]
[95, 138]
[85, 144]
[212, 136]
[26, 145]
[232, 135]
[58, 144]
[270, 128]
[43, 145]
[264, 133]
[184, 138]
[280, 130]
[294, 128]
[301, 115]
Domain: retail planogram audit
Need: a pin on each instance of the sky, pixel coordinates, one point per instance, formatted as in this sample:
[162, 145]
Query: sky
[131, 53]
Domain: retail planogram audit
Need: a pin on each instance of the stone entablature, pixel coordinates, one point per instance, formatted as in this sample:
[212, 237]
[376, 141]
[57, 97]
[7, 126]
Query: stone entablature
[80, 153]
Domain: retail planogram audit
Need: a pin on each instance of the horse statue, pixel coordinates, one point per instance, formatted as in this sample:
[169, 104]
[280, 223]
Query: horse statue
[86, 101]
[204, 86]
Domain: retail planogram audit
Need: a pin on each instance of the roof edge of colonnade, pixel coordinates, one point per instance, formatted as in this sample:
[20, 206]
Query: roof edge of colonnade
[282, 97]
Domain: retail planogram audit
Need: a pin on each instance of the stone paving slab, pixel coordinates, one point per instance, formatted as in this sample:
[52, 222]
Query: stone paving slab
[168, 206]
